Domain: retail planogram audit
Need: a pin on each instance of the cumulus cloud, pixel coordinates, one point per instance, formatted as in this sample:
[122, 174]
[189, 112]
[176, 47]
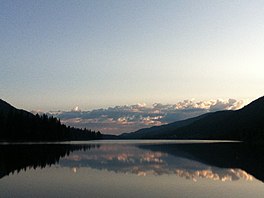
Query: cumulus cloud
[128, 118]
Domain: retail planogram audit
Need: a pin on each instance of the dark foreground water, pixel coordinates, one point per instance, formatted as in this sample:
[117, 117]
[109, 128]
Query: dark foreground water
[132, 169]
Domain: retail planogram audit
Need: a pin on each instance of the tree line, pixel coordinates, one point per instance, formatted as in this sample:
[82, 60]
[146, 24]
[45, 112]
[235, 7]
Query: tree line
[18, 125]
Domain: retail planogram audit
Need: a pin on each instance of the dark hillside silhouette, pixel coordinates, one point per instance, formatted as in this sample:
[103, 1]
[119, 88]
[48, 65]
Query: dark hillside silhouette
[246, 124]
[20, 125]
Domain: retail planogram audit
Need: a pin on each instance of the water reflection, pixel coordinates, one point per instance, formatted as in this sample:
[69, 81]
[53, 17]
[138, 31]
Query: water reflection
[248, 158]
[223, 161]
[14, 158]
[143, 161]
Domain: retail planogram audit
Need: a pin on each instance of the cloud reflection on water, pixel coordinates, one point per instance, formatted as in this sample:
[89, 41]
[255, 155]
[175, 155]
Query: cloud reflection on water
[129, 159]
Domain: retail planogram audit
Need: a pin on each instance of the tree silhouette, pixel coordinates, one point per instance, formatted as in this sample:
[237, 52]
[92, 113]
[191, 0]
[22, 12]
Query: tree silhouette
[17, 125]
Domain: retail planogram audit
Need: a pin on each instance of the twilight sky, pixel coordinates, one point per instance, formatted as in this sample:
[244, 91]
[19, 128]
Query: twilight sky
[95, 54]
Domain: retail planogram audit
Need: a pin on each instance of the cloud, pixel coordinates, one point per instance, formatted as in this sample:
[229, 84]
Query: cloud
[76, 109]
[128, 118]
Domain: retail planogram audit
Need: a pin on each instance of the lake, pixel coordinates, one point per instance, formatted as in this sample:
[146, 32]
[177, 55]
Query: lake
[149, 168]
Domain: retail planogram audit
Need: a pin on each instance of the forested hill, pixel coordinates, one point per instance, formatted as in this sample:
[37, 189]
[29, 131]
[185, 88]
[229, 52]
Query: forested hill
[246, 124]
[20, 125]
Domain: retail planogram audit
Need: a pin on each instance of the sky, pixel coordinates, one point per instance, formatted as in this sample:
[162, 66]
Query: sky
[55, 55]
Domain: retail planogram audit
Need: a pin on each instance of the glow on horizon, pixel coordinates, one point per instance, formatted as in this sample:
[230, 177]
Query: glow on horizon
[56, 54]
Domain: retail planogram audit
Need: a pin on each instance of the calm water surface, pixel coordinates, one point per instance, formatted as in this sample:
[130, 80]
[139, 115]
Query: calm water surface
[132, 169]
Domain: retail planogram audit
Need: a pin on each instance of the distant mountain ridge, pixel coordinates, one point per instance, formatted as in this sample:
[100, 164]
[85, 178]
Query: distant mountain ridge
[246, 124]
[155, 130]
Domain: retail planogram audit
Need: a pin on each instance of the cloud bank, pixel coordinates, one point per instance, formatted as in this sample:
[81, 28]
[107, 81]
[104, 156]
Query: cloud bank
[128, 118]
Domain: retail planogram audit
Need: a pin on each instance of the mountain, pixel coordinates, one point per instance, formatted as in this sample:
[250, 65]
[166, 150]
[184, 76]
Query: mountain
[6, 108]
[154, 131]
[246, 124]
[20, 125]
